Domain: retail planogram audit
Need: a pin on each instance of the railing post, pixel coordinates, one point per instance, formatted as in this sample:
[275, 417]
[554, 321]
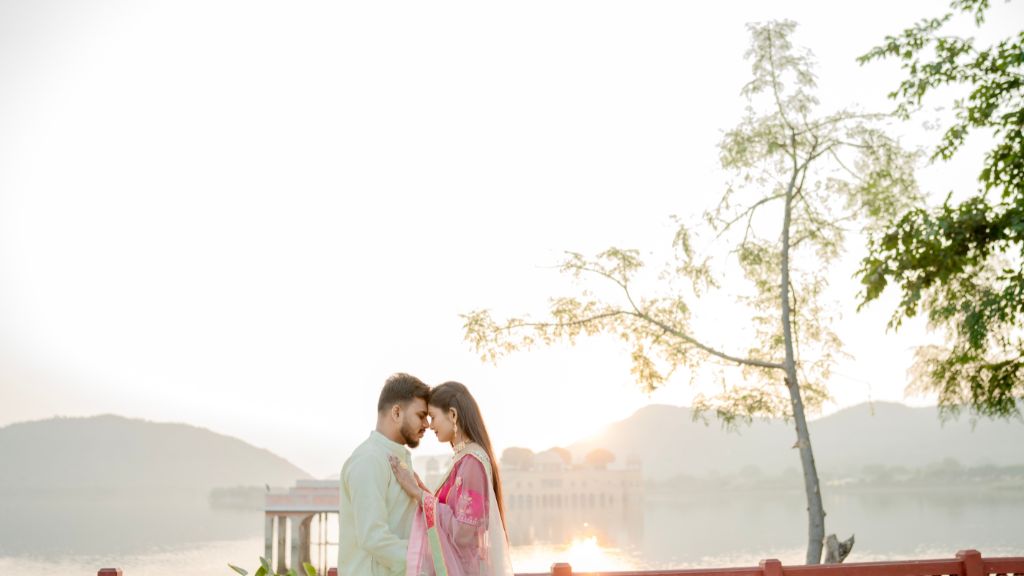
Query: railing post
[561, 569]
[971, 559]
[109, 572]
[771, 567]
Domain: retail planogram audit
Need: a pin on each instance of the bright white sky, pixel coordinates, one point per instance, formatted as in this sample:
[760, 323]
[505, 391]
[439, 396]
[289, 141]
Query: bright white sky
[245, 215]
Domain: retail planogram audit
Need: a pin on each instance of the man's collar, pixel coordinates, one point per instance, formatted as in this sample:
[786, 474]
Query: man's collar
[389, 444]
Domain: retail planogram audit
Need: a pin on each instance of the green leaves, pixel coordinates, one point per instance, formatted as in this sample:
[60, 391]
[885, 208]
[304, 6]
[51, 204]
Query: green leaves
[780, 71]
[993, 74]
[266, 570]
[645, 370]
[688, 265]
[961, 263]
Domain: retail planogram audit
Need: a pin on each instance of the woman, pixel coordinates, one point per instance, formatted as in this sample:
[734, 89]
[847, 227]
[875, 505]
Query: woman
[459, 530]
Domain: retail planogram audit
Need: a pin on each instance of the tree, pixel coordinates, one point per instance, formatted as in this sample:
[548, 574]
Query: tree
[599, 458]
[800, 178]
[961, 263]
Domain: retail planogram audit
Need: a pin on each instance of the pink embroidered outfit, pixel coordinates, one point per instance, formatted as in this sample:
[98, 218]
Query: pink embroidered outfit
[458, 531]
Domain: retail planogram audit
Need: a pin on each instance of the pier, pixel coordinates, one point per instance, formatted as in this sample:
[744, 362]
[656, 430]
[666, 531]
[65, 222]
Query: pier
[288, 520]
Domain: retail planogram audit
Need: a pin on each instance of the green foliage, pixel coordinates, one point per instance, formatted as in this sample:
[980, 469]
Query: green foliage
[961, 262]
[266, 570]
[644, 324]
[994, 76]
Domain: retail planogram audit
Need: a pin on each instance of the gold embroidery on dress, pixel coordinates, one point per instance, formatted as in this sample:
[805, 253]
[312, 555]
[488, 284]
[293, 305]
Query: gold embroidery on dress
[464, 506]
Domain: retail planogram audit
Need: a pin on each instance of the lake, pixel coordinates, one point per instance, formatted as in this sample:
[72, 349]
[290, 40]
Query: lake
[682, 531]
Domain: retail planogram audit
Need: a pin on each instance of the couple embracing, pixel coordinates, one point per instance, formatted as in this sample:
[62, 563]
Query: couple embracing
[391, 523]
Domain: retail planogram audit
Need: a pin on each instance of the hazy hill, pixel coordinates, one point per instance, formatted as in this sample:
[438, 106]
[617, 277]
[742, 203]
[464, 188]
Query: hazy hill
[670, 443]
[112, 456]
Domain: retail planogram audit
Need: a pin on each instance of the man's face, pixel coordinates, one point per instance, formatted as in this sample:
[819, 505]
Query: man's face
[414, 422]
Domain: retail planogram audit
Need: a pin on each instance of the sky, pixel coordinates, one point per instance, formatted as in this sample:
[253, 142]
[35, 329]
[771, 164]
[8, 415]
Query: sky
[245, 215]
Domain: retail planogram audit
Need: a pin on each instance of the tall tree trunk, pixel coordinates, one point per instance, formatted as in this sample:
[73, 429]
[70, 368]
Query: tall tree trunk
[815, 510]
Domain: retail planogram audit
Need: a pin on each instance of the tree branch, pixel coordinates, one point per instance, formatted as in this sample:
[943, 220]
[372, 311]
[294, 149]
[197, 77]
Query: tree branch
[775, 88]
[581, 322]
[696, 343]
[749, 211]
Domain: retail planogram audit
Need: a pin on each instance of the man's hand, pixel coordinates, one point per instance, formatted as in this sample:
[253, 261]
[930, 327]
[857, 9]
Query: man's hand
[407, 479]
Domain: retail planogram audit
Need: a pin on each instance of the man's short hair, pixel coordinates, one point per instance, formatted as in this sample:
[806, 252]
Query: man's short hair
[401, 388]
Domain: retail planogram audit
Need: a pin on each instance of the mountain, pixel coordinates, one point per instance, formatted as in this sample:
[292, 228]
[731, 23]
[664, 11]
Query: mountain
[670, 443]
[116, 457]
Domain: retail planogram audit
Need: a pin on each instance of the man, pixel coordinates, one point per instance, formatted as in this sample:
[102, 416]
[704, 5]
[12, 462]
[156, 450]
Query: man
[376, 514]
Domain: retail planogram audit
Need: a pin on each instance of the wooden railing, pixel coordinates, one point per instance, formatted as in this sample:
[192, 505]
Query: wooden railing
[966, 563]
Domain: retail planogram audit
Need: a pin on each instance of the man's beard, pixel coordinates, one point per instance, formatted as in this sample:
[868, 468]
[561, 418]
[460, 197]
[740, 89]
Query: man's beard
[411, 435]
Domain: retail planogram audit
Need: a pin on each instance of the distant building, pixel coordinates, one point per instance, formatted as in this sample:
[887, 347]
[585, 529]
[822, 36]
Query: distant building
[551, 483]
[549, 498]
[550, 480]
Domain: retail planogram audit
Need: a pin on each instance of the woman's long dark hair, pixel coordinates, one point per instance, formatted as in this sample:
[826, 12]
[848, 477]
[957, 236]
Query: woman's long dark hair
[455, 395]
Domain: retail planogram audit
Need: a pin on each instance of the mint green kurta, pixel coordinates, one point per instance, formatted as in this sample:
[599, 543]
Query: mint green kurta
[375, 513]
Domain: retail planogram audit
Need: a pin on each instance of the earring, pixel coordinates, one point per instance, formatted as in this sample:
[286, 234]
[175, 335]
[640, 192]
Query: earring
[459, 446]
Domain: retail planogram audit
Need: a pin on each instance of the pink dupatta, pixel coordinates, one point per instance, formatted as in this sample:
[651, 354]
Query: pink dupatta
[463, 535]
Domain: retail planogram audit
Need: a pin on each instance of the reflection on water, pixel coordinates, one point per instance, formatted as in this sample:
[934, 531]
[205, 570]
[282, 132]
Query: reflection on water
[611, 526]
[207, 559]
[685, 531]
[584, 554]
[587, 538]
[58, 528]
[740, 529]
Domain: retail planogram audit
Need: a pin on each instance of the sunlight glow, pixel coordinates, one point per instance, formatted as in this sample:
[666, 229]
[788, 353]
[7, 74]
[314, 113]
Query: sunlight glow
[584, 554]
[237, 204]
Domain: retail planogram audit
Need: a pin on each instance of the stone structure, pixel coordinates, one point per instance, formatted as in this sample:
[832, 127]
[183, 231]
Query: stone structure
[550, 498]
[290, 515]
[551, 482]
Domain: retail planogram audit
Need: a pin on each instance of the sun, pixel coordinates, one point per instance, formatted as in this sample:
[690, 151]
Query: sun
[583, 553]
[587, 555]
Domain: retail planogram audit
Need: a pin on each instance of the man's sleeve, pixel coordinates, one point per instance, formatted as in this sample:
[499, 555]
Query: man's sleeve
[367, 481]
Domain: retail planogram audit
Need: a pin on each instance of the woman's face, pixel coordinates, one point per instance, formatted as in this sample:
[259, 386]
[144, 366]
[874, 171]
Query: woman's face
[442, 423]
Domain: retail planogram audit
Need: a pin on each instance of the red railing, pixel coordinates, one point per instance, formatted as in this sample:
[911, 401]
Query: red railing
[966, 563]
